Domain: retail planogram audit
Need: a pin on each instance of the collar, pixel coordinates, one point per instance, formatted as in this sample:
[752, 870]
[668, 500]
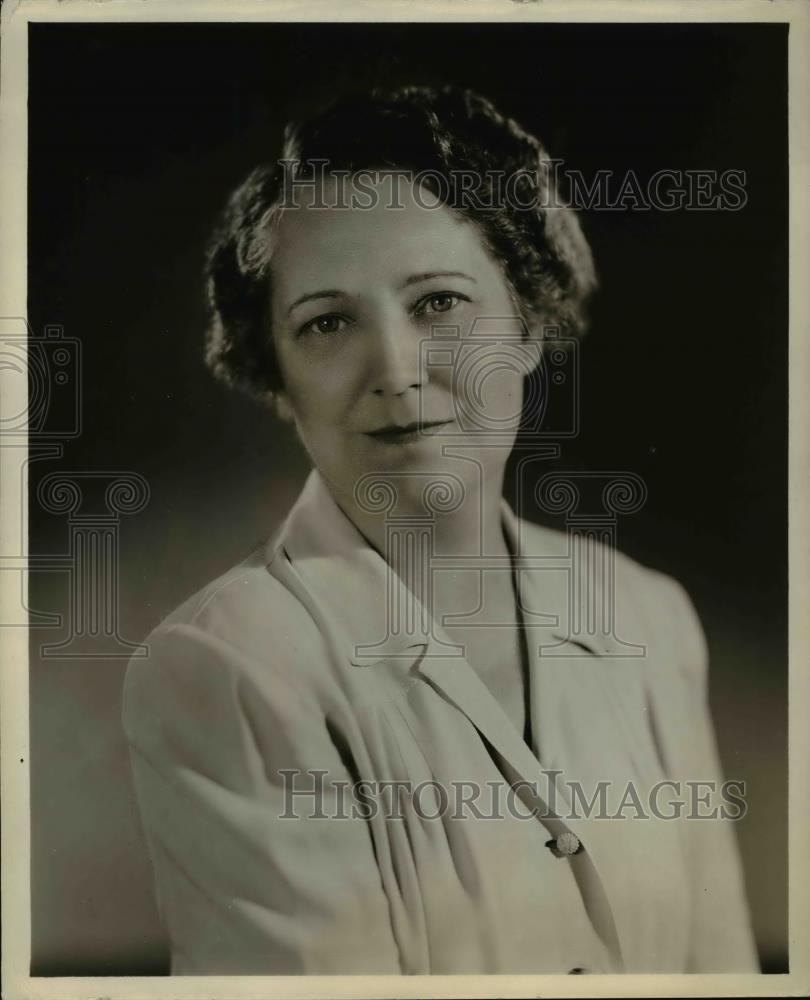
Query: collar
[356, 596]
[376, 615]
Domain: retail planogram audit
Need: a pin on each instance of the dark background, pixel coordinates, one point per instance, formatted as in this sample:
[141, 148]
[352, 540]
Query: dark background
[136, 134]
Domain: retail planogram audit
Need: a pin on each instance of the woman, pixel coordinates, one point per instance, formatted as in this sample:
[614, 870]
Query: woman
[380, 744]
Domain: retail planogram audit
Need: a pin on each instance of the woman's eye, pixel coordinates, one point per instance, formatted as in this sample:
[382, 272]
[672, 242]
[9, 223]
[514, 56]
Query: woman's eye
[327, 324]
[439, 303]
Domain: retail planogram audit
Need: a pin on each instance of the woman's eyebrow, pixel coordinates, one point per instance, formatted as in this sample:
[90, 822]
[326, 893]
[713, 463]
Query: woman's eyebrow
[427, 275]
[327, 293]
[414, 279]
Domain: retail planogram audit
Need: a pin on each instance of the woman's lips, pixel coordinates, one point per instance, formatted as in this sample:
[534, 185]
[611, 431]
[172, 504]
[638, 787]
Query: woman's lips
[410, 432]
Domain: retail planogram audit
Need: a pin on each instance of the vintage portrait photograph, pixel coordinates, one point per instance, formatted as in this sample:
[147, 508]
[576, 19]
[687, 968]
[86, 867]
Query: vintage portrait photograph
[399, 578]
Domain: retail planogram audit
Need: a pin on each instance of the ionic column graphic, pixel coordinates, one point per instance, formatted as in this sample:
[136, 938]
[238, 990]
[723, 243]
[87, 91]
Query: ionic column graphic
[409, 545]
[93, 561]
[592, 552]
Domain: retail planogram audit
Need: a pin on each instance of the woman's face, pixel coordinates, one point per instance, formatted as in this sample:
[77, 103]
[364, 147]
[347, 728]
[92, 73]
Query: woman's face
[357, 295]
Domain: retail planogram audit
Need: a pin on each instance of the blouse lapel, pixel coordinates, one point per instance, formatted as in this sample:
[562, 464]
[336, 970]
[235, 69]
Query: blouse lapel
[368, 611]
[544, 598]
[358, 594]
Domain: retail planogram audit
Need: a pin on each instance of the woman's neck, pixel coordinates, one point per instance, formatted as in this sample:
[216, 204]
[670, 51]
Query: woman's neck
[416, 542]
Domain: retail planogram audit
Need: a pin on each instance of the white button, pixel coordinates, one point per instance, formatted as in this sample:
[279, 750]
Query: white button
[568, 843]
[565, 845]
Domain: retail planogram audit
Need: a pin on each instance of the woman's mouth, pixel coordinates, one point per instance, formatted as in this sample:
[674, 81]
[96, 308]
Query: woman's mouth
[406, 433]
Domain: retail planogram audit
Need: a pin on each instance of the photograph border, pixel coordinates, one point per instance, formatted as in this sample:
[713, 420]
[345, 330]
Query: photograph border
[14, 656]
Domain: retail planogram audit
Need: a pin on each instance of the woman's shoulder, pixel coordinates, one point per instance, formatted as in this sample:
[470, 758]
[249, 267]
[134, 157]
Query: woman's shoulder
[543, 540]
[239, 604]
[243, 626]
[644, 597]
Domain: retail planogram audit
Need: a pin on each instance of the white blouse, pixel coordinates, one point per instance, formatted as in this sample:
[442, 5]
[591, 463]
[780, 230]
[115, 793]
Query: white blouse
[285, 663]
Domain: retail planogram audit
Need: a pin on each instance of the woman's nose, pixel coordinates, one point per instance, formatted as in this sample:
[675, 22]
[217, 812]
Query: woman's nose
[398, 359]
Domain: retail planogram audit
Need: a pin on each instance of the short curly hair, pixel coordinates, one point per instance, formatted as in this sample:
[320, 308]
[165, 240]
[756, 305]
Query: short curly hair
[448, 133]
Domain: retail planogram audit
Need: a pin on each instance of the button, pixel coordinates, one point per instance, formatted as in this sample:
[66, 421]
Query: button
[565, 845]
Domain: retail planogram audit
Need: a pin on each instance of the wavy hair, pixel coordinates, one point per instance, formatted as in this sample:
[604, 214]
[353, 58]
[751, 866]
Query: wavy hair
[452, 135]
